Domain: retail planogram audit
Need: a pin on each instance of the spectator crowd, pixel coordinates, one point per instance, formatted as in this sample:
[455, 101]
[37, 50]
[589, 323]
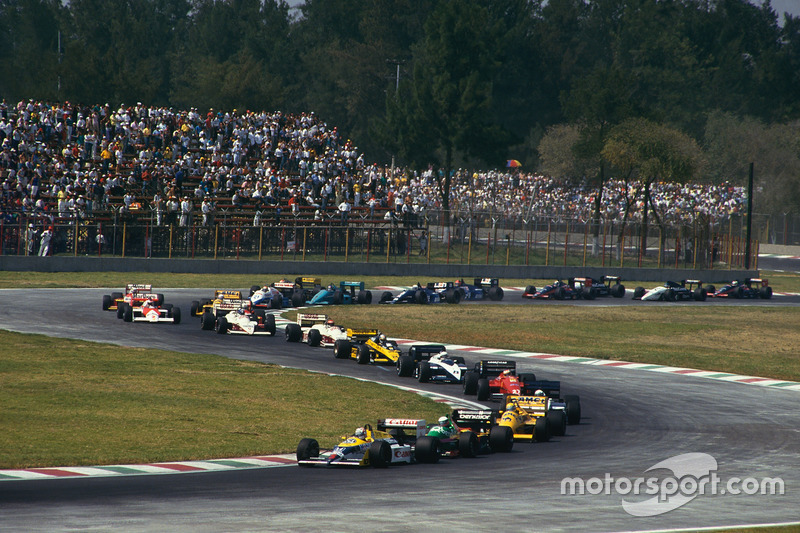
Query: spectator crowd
[64, 160]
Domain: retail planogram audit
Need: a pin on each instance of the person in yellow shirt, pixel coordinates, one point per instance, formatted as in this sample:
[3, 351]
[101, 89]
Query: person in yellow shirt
[106, 156]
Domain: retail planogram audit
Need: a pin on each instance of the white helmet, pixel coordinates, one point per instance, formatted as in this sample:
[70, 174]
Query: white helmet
[359, 432]
[539, 392]
[382, 338]
[443, 420]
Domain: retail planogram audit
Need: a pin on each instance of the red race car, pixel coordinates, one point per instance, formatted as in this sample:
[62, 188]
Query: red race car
[494, 379]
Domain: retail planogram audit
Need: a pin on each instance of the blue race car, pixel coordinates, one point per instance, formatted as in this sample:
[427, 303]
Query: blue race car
[348, 292]
[481, 289]
[414, 295]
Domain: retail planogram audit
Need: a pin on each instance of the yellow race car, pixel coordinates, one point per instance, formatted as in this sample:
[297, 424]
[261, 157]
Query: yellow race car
[220, 295]
[531, 417]
[367, 346]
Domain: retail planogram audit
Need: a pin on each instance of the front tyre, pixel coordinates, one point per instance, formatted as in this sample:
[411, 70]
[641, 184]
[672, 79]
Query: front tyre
[427, 450]
[380, 454]
[471, 383]
[501, 439]
[307, 449]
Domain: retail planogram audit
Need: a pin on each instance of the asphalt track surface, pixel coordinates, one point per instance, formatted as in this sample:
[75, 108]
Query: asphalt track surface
[632, 420]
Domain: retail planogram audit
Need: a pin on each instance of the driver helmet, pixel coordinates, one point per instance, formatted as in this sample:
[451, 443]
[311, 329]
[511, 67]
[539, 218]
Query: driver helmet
[444, 421]
[539, 392]
[382, 338]
[507, 372]
[240, 310]
[329, 322]
[509, 406]
[360, 433]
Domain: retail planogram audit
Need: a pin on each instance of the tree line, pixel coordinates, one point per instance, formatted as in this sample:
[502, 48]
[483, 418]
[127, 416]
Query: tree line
[581, 89]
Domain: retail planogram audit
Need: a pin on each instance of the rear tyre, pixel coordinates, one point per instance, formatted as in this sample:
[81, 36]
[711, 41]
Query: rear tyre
[588, 293]
[765, 293]
[380, 454]
[496, 293]
[450, 296]
[427, 450]
[501, 439]
[363, 355]
[405, 366]
[338, 297]
[471, 383]
[364, 297]
[307, 449]
[269, 324]
[424, 372]
[293, 332]
[221, 325]
[618, 290]
[541, 430]
[700, 294]
[298, 299]
[483, 389]
[314, 337]
[468, 445]
[557, 420]
[526, 377]
[116, 296]
[710, 289]
[159, 299]
[341, 349]
[421, 297]
[573, 402]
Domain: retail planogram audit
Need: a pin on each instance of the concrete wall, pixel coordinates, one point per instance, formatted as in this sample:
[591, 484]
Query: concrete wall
[353, 270]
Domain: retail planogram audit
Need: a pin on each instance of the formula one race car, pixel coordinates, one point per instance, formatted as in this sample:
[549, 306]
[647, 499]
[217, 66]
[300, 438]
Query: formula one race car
[558, 290]
[135, 294]
[365, 447]
[151, 310]
[484, 422]
[747, 288]
[481, 289]
[671, 291]
[367, 346]
[267, 297]
[531, 418]
[431, 362]
[296, 292]
[415, 295]
[201, 306]
[447, 439]
[238, 316]
[590, 288]
[348, 292]
[315, 330]
[491, 379]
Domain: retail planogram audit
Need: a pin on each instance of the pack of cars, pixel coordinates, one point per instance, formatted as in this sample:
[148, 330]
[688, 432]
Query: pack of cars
[198, 307]
[134, 295]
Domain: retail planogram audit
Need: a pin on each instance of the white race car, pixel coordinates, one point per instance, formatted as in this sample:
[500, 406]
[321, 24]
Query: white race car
[152, 310]
[315, 330]
[431, 362]
[240, 318]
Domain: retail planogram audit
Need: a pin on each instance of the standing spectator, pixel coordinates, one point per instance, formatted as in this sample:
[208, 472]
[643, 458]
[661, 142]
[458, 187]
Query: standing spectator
[423, 243]
[158, 206]
[208, 212]
[186, 211]
[344, 209]
[44, 243]
[30, 238]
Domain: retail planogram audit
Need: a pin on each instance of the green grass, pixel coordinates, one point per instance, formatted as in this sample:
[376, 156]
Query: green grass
[70, 403]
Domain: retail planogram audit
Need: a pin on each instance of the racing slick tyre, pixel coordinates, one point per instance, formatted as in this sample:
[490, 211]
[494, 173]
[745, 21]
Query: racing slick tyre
[314, 337]
[107, 301]
[739, 292]
[298, 299]
[207, 321]
[501, 439]
[293, 333]
[700, 294]
[529, 290]
[269, 324]
[452, 296]
[638, 292]
[338, 297]
[765, 293]
[221, 326]
[588, 293]
[405, 366]
[669, 295]
[618, 290]
[424, 372]
[482, 389]
[176, 315]
[573, 402]
[194, 308]
[427, 450]
[541, 430]
[307, 449]
[168, 307]
[561, 293]
[363, 355]
[421, 297]
[468, 445]
[710, 289]
[341, 349]
[364, 297]
[380, 454]
[276, 303]
[557, 420]
[386, 297]
[159, 299]
[495, 294]
[121, 309]
[254, 289]
[526, 377]
[471, 383]
[127, 314]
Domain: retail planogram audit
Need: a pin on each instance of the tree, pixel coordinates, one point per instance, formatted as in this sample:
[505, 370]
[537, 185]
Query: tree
[653, 152]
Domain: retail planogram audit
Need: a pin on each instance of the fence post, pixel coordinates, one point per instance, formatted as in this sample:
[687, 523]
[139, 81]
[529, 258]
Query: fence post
[605, 228]
[566, 244]
[369, 242]
[260, 241]
[169, 255]
[305, 233]
[547, 249]
[469, 246]
[346, 243]
[585, 239]
[622, 250]
[325, 252]
[124, 233]
[388, 243]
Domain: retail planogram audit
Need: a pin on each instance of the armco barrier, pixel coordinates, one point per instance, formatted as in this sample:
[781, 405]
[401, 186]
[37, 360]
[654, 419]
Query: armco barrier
[353, 269]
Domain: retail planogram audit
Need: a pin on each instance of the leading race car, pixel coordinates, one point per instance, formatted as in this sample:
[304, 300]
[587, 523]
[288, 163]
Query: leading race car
[201, 306]
[377, 448]
[315, 330]
[238, 317]
[134, 295]
[671, 291]
[431, 362]
[558, 290]
[348, 292]
[151, 310]
[746, 288]
[418, 294]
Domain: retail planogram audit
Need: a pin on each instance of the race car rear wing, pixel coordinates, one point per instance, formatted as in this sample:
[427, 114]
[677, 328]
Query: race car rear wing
[550, 388]
[418, 425]
[284, 285]
[309, 319]
[130, 287]
[225, 294]
[361, 335]
[231, 305]
[486, 282]
[491, 368]
[423, 352]
[474, 419]
[529, 403]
